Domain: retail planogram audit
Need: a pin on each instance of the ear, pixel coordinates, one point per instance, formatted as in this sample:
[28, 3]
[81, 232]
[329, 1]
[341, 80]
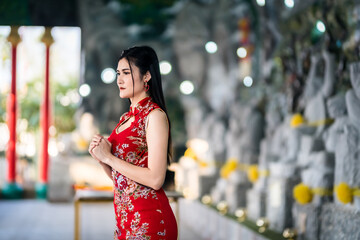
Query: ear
[147, 76]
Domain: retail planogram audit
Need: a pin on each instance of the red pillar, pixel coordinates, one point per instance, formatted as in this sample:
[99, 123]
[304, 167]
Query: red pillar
[11, 189]
[41, 188]
[45, 123]
[11, 120]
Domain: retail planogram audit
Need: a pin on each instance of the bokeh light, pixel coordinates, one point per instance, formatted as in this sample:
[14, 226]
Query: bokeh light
[289, 3]
[261, 3]
[320, 26]
[241, 52]
[211, 47]
[165, 67]
[186, 87]
[248, 81]
[84, 90]
[108, 75]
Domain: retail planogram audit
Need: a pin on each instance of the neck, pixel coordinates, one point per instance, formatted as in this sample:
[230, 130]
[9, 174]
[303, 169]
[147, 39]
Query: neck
[134, 100]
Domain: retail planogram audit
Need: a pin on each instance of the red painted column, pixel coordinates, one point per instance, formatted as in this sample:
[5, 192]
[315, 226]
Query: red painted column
[47, 39]
[11, 114]
[11, 189]
[45, 123]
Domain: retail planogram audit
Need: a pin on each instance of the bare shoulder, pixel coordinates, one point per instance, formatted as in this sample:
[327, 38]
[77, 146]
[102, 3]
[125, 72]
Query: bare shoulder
[157, 118]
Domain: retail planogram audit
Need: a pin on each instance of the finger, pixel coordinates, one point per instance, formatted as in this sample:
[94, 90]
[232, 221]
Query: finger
[92, 145]
[93, 154]
[97, 138]
[107, 141]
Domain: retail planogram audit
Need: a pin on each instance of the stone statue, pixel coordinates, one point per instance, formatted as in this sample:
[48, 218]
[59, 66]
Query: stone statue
[256, 197]
[347, 149]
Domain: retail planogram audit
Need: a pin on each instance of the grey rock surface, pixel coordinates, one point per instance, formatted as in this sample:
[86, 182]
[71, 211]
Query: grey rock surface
[279, 202]
[313, 82]
[256, 204]
[339, 222]
[347, 157]
[315, 112]
[307, 221]
[235, 195]
[329, 78]
[336, 106]
[355, 77]
[332, 134]
[353, 107]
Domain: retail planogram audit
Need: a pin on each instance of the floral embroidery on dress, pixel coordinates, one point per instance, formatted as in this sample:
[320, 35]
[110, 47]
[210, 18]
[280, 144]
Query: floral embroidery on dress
[124, 205]
[118, 152]
[162, 233]
[131, 157]
[133, 215]
[137, 232]
[141, 144]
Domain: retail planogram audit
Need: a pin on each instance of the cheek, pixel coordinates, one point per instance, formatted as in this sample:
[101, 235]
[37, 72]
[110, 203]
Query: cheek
[129, 84]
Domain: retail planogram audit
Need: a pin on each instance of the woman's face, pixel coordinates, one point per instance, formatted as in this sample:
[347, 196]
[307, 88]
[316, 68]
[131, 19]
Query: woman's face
[125, 82]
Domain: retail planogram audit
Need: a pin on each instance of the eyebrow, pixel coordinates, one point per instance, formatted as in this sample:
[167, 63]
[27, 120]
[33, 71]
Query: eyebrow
[124, 69]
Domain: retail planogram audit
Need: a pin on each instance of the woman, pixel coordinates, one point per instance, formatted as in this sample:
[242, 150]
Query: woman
[136, 154]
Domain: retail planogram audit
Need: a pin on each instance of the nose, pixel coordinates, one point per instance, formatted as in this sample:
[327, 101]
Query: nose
[118, 80]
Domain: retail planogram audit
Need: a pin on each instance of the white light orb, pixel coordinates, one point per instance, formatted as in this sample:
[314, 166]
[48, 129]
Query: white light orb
[61, 146]
[65, 101]
[186, 87]
[241, 52]
[289, 3]
[74, 96]
[248, 81]
[165, 67]
[84, 90]
[320, 26]
[30, 150]
[108, 75]
[52, 148]
[211, 47]
[52, 130]
[261, 3]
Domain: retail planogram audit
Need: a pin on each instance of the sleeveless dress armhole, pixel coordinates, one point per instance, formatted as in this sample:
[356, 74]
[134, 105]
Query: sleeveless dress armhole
[140, 211]
[147, 117]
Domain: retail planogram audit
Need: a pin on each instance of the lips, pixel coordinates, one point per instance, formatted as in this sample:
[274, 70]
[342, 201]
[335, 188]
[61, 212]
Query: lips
[122, 88]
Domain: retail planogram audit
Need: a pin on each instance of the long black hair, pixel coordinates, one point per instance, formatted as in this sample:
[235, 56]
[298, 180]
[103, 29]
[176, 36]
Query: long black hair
[145, 58]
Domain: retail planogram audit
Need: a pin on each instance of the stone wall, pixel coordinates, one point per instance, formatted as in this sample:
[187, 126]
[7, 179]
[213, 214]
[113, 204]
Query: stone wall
[297, 124]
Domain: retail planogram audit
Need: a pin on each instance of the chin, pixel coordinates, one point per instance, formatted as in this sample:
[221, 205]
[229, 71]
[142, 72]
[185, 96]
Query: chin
[122, 95]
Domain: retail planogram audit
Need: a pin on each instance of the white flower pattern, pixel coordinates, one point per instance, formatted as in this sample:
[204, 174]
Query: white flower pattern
[128, 192]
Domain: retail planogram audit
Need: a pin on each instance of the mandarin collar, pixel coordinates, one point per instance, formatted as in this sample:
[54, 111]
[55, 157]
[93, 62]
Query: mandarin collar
[138, 107]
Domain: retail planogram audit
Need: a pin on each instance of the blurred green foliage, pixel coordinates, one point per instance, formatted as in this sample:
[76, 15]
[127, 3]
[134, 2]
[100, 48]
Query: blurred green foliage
[64, 115]
[30, 99]
[147, 12]
[29, 103]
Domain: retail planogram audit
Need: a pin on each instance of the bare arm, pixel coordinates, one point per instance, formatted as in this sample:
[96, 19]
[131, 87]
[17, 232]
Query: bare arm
[107, 169]
[157, 140]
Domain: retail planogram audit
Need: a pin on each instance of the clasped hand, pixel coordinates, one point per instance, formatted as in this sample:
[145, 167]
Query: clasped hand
[100, 148]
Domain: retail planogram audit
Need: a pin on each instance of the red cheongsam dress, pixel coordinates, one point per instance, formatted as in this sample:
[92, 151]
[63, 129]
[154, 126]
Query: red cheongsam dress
[141, 212]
